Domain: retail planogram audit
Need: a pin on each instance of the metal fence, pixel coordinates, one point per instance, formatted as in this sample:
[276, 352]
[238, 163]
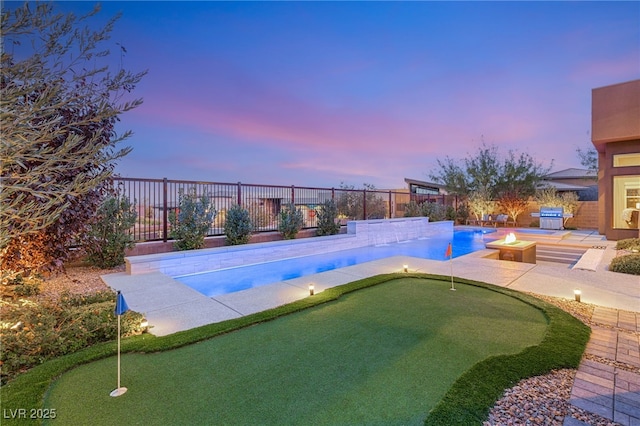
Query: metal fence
[156, 199]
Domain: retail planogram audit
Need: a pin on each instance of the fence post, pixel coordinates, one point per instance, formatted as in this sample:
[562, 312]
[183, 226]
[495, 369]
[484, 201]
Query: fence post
[391, 215]
[165, 207]
[333, 194]
[239, 194]
[364, 204]
[293, 195]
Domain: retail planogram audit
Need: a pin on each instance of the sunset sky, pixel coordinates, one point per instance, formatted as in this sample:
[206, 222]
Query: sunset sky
[317, 93]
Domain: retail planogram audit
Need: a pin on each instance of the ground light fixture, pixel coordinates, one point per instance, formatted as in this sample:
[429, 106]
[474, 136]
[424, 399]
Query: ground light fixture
[144, 324]
[405, 268]
[577, 293]
[311, 289]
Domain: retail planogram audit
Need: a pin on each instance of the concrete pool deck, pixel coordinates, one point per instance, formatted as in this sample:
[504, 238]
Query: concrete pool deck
[170, 306]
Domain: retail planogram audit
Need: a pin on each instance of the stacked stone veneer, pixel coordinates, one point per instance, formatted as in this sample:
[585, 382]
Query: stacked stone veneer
[359, 234]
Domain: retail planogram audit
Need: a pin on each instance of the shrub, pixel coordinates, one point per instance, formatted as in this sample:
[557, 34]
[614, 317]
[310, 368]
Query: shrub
[626, 264]
[412, 209]
[17, 284]
[237, 226]
[50, 329]
[290, 221]
[434, 211]
[351, 201]
[260, 216]
[109, 235]
[450, 213]
[628, 244]
[193, 220]
[462, 215]
[550, 197]
[327, 215]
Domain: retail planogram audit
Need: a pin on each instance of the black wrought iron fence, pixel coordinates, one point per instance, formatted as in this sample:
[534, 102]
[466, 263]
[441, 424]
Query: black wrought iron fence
[156, 199]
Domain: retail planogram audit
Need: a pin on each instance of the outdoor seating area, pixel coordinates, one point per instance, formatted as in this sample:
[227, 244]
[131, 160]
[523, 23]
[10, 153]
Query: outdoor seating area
[491, 220]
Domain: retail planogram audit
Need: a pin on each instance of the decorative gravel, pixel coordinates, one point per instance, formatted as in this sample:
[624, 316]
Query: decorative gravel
[544, 400]
[540, 400]
[77, 280]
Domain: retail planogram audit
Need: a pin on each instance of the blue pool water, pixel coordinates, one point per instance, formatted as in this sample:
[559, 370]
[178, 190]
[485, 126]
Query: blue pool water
[230, 280]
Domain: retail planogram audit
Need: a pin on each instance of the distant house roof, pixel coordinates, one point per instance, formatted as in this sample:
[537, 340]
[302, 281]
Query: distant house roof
[571, 174]
[559, 186]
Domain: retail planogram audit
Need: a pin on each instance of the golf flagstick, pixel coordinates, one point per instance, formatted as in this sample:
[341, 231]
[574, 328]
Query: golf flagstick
[121, 308]
[449, 254]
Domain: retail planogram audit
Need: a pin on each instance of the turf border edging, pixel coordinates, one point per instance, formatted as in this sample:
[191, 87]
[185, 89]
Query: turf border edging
[464, 403]
[472, 395]
[27, 390]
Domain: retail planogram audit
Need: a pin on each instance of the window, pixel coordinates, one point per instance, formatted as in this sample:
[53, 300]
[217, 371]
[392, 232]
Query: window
[424, 190]
[626, 160]
[626, 201]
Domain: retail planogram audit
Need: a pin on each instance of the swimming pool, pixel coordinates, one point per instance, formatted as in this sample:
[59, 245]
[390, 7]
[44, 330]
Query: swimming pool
[230, 280]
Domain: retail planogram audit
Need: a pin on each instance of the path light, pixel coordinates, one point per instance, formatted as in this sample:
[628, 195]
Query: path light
[577, 294]
[144, 324]
[405, 268]
[311, 289]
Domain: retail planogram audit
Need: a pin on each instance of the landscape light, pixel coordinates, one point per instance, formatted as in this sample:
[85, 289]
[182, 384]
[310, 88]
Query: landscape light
[405, 267]
[577, 294]
[311, 289]
[144, 324]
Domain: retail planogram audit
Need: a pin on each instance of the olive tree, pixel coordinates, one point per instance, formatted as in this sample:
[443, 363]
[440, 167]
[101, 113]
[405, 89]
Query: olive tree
[59, 104]
[588, 158]
[487, 177]
[353, 202]
[490, 173]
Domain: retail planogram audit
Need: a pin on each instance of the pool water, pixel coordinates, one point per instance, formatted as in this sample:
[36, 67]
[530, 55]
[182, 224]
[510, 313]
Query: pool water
[230, 280]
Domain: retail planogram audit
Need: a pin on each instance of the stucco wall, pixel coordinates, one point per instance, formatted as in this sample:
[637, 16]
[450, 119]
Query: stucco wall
[614, 113]
[615, 129]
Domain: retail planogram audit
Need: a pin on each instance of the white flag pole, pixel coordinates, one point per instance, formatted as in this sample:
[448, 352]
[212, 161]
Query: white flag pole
[119, 390]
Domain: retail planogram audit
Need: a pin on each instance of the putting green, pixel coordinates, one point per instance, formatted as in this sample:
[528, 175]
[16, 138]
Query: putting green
[382, 355]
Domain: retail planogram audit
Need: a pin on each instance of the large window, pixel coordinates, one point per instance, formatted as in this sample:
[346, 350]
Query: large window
[626, 201]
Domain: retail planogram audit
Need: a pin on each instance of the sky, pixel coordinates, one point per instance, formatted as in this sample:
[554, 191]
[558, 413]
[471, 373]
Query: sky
[319, 93]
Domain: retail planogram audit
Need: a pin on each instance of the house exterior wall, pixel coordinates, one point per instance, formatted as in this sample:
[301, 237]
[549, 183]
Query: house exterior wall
[615, 130]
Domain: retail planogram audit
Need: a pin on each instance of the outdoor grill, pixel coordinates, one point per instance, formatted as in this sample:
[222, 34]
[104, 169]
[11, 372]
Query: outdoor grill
[551, 217]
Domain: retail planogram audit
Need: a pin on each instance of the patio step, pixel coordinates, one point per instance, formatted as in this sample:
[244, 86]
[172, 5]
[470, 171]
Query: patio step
[568, 255]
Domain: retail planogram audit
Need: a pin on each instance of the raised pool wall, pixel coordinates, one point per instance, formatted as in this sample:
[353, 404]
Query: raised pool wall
[360, 233]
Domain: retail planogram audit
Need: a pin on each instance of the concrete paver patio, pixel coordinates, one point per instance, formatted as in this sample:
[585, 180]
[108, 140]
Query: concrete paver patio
[608, 379]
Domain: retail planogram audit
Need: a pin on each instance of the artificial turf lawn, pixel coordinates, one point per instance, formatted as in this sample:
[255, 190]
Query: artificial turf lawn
[387, 354]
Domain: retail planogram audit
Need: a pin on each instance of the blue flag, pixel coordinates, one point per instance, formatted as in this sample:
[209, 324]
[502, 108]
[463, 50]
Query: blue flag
[121, 304]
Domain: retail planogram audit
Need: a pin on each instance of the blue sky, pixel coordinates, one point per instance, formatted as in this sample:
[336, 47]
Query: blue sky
[316, 93]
